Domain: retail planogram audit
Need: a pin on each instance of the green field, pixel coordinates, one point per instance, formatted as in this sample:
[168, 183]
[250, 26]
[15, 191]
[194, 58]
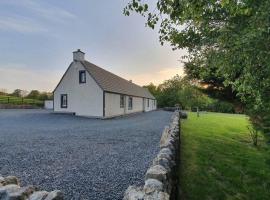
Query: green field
[218, 160]
[19, 101]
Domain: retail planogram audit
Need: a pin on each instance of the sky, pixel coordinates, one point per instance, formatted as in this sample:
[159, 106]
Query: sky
[37, 38]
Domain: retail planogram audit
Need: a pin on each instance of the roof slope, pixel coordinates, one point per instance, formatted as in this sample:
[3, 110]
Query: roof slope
[113, 83]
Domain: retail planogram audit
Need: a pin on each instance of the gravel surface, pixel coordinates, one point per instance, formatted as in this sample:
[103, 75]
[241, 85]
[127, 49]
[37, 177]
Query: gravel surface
[85, 158]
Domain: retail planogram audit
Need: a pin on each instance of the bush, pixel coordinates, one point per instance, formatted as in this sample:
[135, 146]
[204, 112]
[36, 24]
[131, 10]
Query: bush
[221, 106]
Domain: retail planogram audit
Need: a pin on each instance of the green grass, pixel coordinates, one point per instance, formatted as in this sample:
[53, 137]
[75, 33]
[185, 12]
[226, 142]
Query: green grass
[218, 160]
[19, 101]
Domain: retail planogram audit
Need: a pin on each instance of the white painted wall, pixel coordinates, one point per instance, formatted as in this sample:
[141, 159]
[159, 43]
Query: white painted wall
[152, 105]
[112, 105]
[48, 104]
[83, 99]
[137, 105]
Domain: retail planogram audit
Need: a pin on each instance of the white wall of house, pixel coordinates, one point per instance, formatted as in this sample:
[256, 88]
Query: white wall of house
[85, 99]
[137, 104]
[150, 106]
[112, 105]
[48, 104]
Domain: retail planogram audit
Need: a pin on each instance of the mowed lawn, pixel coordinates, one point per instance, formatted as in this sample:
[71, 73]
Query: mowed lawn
[19, 100]
[218, 160]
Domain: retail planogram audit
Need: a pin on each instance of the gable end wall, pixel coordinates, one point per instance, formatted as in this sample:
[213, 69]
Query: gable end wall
[83, 99]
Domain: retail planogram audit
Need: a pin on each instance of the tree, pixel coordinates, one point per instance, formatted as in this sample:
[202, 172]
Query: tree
[34, 94]
[17, 93]
[191, 97]
[153, 89]
[228, 45]
[45, 96]
[179, 90]
[169, 92]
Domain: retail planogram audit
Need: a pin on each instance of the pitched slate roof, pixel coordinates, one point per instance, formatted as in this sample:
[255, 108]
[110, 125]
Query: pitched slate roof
[112, 83]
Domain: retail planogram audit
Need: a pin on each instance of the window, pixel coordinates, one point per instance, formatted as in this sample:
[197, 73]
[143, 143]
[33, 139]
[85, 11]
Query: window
[82, 76]
[154, 102]
[122, 101]
[147, 102]
[63, 100]
[130, 103]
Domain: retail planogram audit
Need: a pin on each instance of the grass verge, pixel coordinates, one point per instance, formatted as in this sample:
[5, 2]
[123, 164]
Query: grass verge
[218, 160]
[11, 100]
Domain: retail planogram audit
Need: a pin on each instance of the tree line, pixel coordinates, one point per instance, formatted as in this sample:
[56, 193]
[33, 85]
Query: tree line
[33, 94]
[228, 47]
[188, 95]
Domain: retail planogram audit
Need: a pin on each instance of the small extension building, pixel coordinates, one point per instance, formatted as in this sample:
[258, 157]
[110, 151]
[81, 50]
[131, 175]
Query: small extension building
[88, 90]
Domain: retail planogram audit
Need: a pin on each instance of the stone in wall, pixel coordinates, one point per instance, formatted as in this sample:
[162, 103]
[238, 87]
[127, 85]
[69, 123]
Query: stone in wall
[160, 178]
[10, 189]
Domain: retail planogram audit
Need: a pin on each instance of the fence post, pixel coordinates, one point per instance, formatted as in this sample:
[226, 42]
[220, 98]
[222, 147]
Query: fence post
[8, 100]
[22, 100]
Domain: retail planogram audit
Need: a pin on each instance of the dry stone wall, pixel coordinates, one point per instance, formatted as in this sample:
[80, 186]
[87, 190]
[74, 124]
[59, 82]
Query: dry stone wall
[161, 177]
[10, 189]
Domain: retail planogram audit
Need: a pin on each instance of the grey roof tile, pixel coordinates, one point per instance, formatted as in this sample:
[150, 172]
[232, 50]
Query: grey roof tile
[113, 83]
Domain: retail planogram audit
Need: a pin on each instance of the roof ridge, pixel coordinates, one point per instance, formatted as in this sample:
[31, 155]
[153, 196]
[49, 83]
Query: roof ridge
[114, 74]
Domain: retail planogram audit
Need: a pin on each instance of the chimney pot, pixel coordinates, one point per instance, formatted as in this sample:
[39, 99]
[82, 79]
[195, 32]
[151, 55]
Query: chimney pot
[78, 55]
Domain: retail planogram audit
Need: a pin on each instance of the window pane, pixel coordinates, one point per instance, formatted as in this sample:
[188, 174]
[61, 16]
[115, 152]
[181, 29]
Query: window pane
[63, 101]
[130, 103]
[82, 76]
[122, 101]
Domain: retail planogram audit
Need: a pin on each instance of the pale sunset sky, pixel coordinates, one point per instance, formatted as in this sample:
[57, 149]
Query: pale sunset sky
[37, 38]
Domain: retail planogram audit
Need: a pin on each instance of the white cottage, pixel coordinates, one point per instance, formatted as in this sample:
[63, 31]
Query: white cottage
[88, 90]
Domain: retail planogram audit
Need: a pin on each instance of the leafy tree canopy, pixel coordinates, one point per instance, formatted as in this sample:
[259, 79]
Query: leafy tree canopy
[17, 93]
[34, 94]
[228, 45]
[182, 91]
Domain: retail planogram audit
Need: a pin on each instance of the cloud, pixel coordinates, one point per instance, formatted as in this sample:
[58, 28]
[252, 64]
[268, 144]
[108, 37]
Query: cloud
[47, 11]
[20, 24]
[15, 76]
[34, 17]
[155, 77]
[42, 9]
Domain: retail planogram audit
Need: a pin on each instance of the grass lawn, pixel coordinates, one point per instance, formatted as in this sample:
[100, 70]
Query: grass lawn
[218, 160]
[19, 100]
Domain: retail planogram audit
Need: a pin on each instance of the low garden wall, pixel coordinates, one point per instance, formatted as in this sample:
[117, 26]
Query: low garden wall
[161, 177]
[10, 189]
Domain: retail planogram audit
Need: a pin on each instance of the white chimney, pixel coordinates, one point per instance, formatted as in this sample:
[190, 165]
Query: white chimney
[78, 55]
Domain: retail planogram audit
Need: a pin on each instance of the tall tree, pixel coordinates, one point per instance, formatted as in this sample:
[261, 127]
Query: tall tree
[17, 93]
[228, 45]
[153, 89]
[34, 94]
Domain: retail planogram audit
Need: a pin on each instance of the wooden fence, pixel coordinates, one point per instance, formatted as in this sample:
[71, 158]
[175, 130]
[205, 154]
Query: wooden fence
[20, 101]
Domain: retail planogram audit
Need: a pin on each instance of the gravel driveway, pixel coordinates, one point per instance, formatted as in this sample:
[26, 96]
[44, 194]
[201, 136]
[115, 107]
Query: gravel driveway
[85, 158]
